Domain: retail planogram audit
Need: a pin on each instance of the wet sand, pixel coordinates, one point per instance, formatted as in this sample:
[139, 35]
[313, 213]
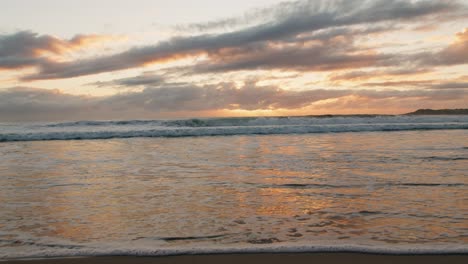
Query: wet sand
[259, 258]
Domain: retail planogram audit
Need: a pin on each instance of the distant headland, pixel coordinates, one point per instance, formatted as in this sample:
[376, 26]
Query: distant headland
[439, 112]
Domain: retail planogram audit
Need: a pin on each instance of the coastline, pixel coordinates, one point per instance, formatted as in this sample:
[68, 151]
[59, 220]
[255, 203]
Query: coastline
[270, 258]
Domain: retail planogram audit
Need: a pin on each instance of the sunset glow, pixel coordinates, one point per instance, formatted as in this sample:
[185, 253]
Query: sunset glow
[261, 58]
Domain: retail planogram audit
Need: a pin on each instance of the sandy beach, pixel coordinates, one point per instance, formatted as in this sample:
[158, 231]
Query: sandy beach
[261, 258]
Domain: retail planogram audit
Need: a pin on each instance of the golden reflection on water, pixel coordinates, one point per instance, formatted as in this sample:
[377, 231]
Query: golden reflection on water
[128, 188]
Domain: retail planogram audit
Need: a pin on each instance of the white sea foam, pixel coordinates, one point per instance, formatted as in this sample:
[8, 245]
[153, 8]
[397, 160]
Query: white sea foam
[114, 249]
[270, 121]
[225, 127]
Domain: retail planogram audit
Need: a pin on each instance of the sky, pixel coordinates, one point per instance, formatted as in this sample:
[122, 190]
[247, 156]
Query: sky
[144, 59]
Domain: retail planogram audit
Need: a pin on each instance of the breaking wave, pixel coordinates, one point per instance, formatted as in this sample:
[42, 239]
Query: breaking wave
[225, 127]
[114, 249]
[269, 121]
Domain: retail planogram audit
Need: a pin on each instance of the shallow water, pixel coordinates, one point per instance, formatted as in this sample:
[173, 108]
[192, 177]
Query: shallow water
[399, 191]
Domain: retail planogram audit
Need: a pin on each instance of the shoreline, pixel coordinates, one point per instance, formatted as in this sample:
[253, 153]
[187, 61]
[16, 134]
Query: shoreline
[247, 258]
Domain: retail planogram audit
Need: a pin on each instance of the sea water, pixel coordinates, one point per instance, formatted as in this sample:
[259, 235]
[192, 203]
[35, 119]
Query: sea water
[386, 184]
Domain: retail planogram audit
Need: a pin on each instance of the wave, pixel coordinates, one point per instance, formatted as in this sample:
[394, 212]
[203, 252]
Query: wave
[375, 185]
[105, 123]
[168, 239]
[114, 249]
[194, 122]
[108, 133]
[265, 121]
[444, 158]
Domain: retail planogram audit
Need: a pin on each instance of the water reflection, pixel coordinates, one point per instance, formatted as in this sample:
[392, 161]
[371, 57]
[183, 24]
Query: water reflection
[254, 188]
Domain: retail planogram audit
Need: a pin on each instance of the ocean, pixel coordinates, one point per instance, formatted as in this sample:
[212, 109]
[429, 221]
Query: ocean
[381, 184]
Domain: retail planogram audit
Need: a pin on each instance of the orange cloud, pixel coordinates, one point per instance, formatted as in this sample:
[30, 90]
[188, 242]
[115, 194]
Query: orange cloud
[28, 49]
[58, 46]
[462, 36]
[455, 53]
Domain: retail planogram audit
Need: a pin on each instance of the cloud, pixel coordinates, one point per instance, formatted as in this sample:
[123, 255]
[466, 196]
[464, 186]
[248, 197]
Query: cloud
[145, 79]
[33, 104]
[427, 84]
[334, 50]
[456, 53]
[26, 48]
[333, 54]
[450, 85]
[20, 103]
[366, 75]
[289, 22]
[216, 97]
[346, 32]
[254, 16]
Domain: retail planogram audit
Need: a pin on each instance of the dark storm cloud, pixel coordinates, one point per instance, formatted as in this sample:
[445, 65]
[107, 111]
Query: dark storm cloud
[290, 20]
